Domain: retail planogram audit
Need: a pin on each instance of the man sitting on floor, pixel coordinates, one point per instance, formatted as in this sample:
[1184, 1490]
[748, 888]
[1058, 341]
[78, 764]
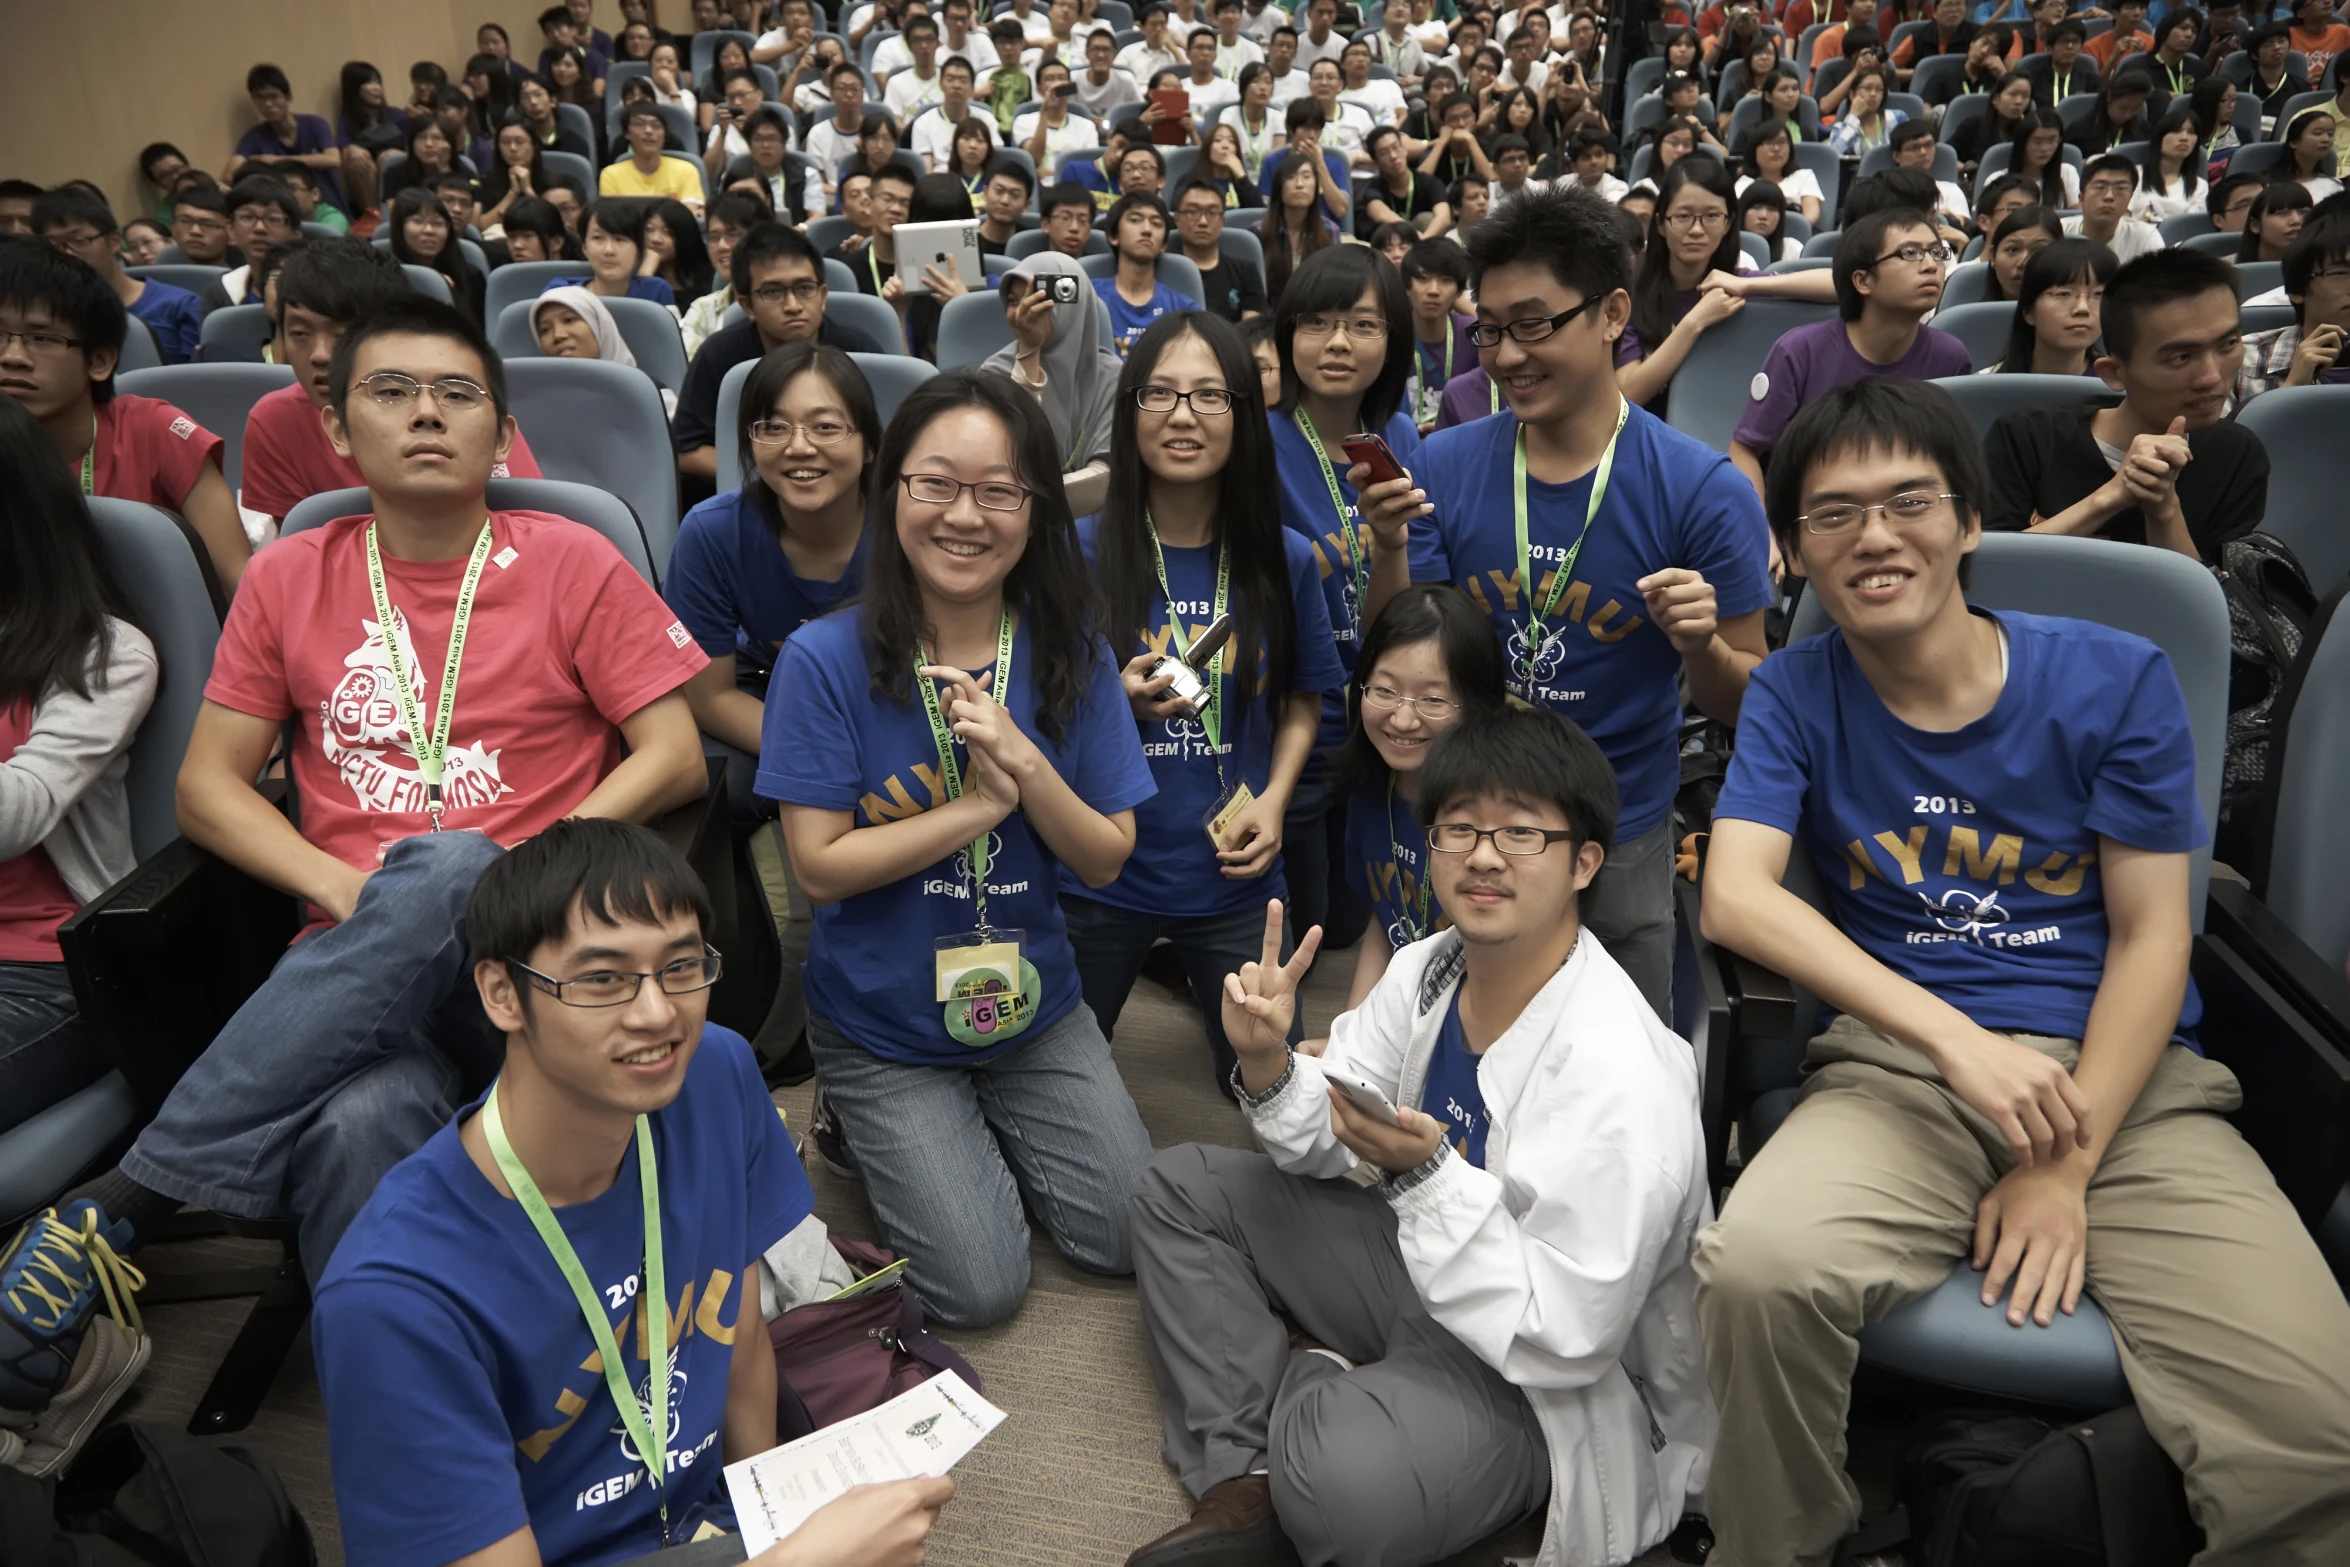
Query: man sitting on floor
[357, 1048]
[1506, 1311]
[455, 1353]
[2002, 810]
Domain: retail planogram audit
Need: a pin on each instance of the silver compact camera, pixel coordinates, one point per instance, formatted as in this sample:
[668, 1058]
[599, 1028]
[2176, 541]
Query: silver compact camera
[1189, 681]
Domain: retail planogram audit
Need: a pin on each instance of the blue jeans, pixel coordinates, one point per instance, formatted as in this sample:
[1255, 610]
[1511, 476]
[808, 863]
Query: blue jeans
[1111, 942]
[46, 1052]
[949, 1154]
[359, 1047]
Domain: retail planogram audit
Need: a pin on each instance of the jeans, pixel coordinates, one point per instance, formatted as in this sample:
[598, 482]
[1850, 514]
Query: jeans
[359, 1047]
[950, 1154]
[46, 1052]
[1629, 907]
[1111, 941]
[1313, 863]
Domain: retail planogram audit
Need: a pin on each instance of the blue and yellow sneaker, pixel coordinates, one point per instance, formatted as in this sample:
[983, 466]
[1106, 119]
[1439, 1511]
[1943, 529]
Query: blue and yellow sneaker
[52, 1276]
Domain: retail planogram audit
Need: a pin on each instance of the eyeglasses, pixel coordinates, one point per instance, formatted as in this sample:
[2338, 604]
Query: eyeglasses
[936, 489]
[1906, 510]
[1914, 255]
[396, 393]
[804, 291]
[1533, 329]
[1207, 401]
[821, 432]
[1683, 222]
[2066, 298]
[1461, 837]
[259, 217]
[39, 340]
[1363, 329]
[612, 988]
[1433, 709]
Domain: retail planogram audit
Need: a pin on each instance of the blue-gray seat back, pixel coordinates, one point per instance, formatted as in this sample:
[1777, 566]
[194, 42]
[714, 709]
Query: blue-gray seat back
[1985, 397]
[890, 377]
[1983, 327]
[138, 348]
[526, 280]
[649, 330]
[180, 274]
[235, 335]
[608, 514]
[2300, 427]
[1710, 390]
[427, 282]
[602, 424]
[157, 564]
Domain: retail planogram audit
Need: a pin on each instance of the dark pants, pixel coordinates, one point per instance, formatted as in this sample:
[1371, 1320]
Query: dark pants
[1313, 863]
[46, 1052]
[1110, 944]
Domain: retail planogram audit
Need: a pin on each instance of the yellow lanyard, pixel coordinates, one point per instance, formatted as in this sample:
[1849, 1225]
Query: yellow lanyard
[1535, 635]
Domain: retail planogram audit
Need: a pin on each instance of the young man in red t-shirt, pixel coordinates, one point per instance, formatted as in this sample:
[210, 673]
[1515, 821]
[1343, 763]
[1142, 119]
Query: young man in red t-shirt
[568, 703]
[321, 291]
[61, 332]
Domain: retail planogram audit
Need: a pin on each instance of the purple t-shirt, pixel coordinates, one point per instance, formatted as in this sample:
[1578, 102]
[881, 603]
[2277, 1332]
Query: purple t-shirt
[1818, 358]
[311, 134]
[1470, 394]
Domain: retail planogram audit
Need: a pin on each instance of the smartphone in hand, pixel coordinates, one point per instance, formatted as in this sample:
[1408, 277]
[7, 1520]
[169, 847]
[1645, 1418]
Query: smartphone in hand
[1371, 451]
[1362, 1093]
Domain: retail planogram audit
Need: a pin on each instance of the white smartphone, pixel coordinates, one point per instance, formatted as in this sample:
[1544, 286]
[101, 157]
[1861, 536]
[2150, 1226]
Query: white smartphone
[1364, 1095]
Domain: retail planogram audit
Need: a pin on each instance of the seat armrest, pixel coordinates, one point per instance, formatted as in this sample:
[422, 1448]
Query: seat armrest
[1720, 1034]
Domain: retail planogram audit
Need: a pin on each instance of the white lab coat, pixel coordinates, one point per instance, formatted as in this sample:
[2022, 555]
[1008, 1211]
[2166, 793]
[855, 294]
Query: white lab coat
[1564, 1262]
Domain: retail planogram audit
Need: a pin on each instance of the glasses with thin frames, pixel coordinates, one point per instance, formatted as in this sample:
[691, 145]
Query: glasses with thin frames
[1432, 709]
[613, 988]
[1208, 402]
[805, 291]
[393, 392]
[1682, 222]
[1461, 837]
[1906, 510]
[820, 432]
[1363, 329]
[936, 489]
[1532, 329]
[40, 340]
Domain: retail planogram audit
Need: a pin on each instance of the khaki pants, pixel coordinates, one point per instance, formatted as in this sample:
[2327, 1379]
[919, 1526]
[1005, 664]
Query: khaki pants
[2234, 1337]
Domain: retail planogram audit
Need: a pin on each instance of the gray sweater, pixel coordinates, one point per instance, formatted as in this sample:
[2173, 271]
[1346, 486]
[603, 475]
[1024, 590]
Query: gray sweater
[66, 788]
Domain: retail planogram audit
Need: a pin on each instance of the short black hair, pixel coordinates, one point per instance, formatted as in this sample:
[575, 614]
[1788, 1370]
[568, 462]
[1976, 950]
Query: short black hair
[1012, 168]
[1302, 114]
[1880, 413]
[1334, 278]
[2321, 240]
[1858, 248]
[765, 242]
[765, 386]
[1909, 190]
[741, 209]
[269, 191]
[2223, 190]
[2158, 278]
[2071, 27]
[1908, 131]
[2109, 163]
[412, 313]
[1158, 158]
[1571, 230]
[1436, 258]
[622, 217]
[642, 111]
[610, 871]
[1137, 201]
[35, 272]
[155, 152]
[263, 77]
[919, 24]
[65, 206]
[340, 279]
[1068, 193]
[1997, 190]
[2268, 32]
[1508, 142]
[1524, 753]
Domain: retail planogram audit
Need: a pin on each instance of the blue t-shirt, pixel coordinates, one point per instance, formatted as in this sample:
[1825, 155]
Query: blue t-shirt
[1174, 870]
[1097, 184]
[1670, 502]
[651, 288]
[175, 319]
[311, 134]
[838, 746]
[1387, 864]
[1129, 321]
[1451, 1093]
[1966, 861]
[1306, 510]
[454, 1360]
[735, 590]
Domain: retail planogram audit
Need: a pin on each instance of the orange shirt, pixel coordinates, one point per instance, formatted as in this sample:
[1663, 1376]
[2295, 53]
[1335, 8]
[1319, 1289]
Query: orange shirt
[2321, 47]
[2101, 48]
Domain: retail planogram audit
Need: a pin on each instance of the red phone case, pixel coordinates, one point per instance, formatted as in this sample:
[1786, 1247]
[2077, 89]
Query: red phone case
[1372, 450]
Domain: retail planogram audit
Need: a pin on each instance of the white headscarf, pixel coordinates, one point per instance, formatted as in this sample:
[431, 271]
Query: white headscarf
[1081, 376]
[610, 345]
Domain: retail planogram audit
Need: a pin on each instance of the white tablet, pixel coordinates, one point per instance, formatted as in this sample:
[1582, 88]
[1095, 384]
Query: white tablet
[946, 246]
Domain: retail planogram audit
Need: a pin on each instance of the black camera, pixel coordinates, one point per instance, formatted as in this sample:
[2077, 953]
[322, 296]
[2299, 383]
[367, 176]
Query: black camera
[1061, 288]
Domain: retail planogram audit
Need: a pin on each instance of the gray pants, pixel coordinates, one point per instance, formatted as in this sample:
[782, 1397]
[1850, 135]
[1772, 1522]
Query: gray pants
[1417, 1453]
[1629, 907]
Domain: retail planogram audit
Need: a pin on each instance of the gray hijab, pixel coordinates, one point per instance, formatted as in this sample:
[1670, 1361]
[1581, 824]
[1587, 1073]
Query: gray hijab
[1081, 375]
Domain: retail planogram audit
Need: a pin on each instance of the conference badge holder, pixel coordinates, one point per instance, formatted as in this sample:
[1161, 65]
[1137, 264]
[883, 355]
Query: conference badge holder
[1224, 812]
[989, 991]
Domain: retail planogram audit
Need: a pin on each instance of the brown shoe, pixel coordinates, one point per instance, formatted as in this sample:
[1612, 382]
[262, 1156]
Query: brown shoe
[1232, 1526]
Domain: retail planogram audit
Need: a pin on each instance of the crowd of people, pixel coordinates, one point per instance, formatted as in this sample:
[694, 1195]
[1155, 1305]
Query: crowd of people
[1345, 588]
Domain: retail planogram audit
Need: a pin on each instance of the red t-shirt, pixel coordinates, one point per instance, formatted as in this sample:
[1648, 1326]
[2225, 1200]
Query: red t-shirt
[34, 899]
[288, 459]
[148, 451]
[566, 640]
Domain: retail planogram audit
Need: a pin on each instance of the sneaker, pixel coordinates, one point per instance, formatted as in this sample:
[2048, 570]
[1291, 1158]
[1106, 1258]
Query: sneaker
[117, 1356]
[831, 1146]
[53, 1274]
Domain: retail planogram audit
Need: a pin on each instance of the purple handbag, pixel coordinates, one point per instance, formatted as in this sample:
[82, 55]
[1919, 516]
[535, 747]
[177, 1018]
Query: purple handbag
[837, 1358]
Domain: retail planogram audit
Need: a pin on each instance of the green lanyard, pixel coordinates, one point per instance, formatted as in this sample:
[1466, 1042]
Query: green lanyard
[1492, 395]
[2059, 88]
[1415, 917]
[873, 264]
[949, 773]
[431, 754]
[1535, 635]
[654, 1337]
[1212, 720]
[2181, 80]
[1358, 569]
[90, 469]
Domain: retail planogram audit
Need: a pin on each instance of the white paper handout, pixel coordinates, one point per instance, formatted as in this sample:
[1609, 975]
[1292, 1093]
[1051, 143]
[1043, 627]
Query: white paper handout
[925, 1430]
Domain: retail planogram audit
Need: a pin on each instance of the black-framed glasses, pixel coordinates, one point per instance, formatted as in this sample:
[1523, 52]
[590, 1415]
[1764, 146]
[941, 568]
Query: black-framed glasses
[1208, 402]
[1461, 837]
[1908, 509]
[615, 988]
[1532, 329]
[805, 291]
[936, 489]
[1915, 255]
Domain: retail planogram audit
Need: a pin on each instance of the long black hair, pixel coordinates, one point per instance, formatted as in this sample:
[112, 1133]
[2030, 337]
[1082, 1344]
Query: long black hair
[2278, 195]
[1248, 513]
[1333, 280]
[1654, 313]
[695, 275]
[56, 588]
[2180, 113]
[1434, 612]
[2067, 262]
[1273, 228]
[764, 387]
[357, 115]
[450, 263]
[2051, 178]
[1048, 588]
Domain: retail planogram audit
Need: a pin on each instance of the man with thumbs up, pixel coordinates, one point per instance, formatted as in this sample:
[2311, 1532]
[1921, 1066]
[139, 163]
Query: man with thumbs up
[2164, 466]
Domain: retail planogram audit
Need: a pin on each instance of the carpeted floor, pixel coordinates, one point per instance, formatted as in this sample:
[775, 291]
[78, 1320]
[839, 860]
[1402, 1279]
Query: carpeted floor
[1072, 1479]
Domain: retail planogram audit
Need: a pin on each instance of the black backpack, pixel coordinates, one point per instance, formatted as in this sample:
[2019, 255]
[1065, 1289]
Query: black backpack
[145, 1495]
[2270, 606]
[1990, 1489]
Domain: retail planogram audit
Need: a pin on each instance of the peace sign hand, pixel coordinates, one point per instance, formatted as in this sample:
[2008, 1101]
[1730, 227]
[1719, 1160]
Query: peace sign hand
[1260, 1001]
